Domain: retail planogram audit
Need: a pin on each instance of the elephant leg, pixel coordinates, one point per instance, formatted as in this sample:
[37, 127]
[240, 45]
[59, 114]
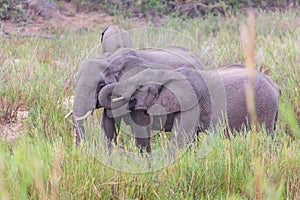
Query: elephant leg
[143, 143]
[142, 137]
[108, 126]
[184, 128]
[140, 126]
[268, 116]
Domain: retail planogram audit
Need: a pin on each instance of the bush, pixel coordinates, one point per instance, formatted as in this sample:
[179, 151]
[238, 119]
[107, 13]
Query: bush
[191, 8]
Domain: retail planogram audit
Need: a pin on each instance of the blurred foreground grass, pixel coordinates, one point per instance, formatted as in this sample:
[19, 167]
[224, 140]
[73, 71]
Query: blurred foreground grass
[37, 74]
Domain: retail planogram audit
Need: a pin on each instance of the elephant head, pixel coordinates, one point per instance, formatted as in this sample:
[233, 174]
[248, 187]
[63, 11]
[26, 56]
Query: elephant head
[113, 38]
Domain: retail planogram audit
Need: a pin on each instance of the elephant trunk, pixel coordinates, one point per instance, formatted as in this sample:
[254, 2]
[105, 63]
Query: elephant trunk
[104, 96]
[115, 95]
[79, 130]
[107, 97]
[84, 104]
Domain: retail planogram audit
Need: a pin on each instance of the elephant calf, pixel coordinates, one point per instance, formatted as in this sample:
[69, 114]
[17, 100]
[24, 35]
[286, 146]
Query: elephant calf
[195, 100]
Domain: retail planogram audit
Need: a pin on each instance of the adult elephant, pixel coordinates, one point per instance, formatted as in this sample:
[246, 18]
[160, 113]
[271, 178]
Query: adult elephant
[188, 96]
[115, 41]
[115, 61]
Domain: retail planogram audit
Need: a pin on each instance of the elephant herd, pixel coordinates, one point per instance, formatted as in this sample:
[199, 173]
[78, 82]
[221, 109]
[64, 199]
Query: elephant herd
[166, 89]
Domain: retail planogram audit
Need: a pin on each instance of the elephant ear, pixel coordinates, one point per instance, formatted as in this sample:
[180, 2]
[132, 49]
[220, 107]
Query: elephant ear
[176, 95]
[113, 38]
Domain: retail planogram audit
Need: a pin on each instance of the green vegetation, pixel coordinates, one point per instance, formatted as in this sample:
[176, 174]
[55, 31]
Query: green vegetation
[37, 74]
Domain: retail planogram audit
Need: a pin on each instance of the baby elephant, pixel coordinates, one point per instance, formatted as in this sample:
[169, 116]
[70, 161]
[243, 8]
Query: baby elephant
[197, 100]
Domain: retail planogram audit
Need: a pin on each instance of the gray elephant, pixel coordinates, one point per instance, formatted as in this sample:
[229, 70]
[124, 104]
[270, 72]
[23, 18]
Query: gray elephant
[115, 42]
[195, 100]
[117, 59]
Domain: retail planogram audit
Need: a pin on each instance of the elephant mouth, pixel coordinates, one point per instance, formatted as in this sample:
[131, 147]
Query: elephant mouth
[133, 106]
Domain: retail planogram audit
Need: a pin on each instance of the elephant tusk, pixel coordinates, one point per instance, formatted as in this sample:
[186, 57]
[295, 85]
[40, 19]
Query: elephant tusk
[117, 99]
[84, 116]
[69, 114]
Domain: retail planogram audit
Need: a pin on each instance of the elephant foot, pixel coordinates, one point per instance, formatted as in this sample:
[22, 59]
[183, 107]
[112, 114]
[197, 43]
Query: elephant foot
[143, 144]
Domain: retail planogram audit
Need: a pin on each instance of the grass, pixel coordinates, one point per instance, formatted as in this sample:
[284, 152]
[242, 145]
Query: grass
[37, 74]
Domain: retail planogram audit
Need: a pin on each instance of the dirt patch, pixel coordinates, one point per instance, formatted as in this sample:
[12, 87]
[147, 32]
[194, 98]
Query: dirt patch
[12, 130]
[12, 118]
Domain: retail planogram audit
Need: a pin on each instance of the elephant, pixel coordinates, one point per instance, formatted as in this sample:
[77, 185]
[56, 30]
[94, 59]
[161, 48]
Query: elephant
[188, 100]
[89, 73]
[114, 62]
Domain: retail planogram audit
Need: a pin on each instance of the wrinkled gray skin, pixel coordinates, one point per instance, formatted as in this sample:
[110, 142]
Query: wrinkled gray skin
[116, 61]
[141, 98]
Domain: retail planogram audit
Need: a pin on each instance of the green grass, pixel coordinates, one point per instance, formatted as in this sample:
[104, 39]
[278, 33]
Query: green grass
[37, 74]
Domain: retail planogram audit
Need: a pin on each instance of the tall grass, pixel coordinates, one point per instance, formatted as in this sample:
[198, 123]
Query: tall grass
[37, 74]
